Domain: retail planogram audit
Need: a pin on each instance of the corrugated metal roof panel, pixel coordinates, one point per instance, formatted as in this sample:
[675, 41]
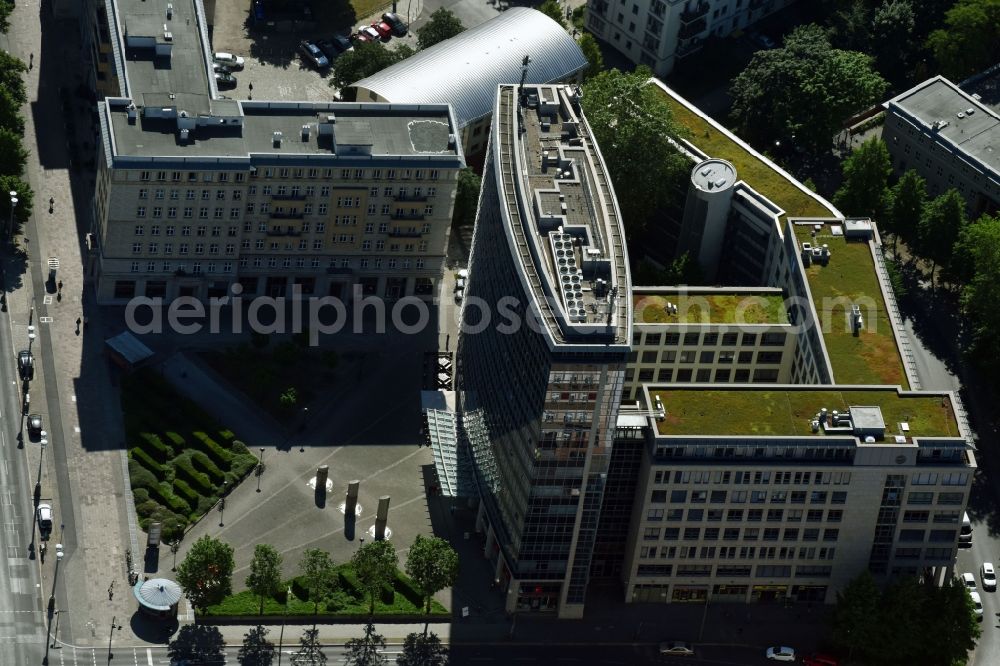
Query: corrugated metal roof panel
[466, 69]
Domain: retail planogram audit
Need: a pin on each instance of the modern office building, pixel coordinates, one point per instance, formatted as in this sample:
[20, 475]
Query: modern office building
[464, 71]
[662, 33]
[949, 137]
[197, 192]
[541, 361]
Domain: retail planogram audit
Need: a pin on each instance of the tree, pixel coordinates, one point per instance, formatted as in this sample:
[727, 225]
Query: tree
[892, 37]
[633, 126]
[364, 60]
[13, 156]
[851, 27]
[264, 579]
[310, 652]
[466, 197]
[898, 627]
[940, 227]
[906, 206]
[441, 25]
[25, 200]
[365, 651]
[433, 565]
[289, 398]
[206, 573]
[319, 574]
[857, 605]
[970, 41]
[592, 52]
[554, 11]
[422, 650]
[978, 250]
[951, 626]
[6, 9]
[256, 649]
[374, 564]
[10, 112]
[866, 180]
[803, 91]
[12, 71]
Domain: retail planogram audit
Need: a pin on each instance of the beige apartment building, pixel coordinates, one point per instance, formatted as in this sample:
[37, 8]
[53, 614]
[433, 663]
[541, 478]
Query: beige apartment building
[197, 192]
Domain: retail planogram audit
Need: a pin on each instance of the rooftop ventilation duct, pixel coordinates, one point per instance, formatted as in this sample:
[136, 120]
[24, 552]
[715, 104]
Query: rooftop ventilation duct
[276, 137]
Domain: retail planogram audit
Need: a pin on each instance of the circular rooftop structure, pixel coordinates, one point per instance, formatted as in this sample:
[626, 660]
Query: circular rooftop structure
[713, 175]
[157, 595]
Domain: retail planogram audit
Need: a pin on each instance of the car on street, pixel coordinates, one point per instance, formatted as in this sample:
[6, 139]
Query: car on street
[989, 576]
[676, 649]
[780, 653]
[969, 580]
[35, 426]
[383, 29]
[460, 284]
[313, 55]
[225, 80]
[368, 34]
[26, 365]
[977, 605]
[229, 60]
[44, 517]
[396, 23]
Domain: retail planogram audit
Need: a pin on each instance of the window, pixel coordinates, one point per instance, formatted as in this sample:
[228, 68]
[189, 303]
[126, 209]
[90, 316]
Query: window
[951, 498]
[920, 498]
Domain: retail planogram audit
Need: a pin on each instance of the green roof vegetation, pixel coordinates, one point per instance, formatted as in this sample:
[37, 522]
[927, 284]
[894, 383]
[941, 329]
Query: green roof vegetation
[649, 308]
[789, 412]
[871, 357]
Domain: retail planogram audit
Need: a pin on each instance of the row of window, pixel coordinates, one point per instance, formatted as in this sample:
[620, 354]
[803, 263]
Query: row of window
[273, 262]
[759, 477]
[704, 357]
[723, 571]
[708, 339]
[264, 227]
[736, 515]
[286, 172]
[261, 244]
[219, 212]
[737, 552]
[703, 375]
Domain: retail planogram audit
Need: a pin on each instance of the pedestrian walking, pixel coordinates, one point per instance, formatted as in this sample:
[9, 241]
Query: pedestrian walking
[31, 61]
[111, 591]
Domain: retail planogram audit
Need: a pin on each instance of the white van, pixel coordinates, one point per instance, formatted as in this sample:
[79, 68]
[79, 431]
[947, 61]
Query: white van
[229, 60]
[965, 535]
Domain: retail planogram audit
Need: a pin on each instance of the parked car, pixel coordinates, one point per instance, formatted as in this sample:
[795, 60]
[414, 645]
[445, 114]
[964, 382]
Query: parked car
[229, 60]
[328, 48]
[313, 55]
[35, 426]
[44, 517]
[989, 576]
[676, 649]
[969, 580]
[342, 43]
[383, 29]
[396, 23]
[26, 364]
[977, 605]
[780, 653]
[222, 69]
[225, 80]
[460, 284]
[368, 34]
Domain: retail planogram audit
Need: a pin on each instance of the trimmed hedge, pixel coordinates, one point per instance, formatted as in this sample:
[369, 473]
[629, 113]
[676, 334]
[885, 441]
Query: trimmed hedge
[164, 494]
[187, 493]
[154, 446]
[203, 463]
[199, 481]
[140, 456]
[406, 587]
[218, 454]
[176, 439]
[349, 582]
[142, 477]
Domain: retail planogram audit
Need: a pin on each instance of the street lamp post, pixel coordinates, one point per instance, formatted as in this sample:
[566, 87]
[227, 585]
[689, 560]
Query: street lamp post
[222, 506]
[41, 455]
[52, 604]
[56, 632]
[260, 467]
[31, 337]
[55, 577]
[111, 635]
[175, 545]
[10, 224]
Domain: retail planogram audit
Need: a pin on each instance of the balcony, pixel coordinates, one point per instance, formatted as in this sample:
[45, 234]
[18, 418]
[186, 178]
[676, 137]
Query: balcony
[688, 47]
[287, 216]
[692, 14]
[405, 233]
[288, 231]
[288, 197]
[689, 30]
[407, 215]
[410, 197]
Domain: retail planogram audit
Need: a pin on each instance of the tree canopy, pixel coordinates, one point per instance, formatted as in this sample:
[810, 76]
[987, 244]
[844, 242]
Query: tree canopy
[206, 573]
[256, 649]
[893, 27]
[592, 52]
[866, 178]
[940, 227]
[978, 251]
[905, 206]
[433, 565]
[364, 651]
[970, 40]
[319, 574]
[466, 197]
[364, 60]
[554, 11]
[264, 578]
[633, 126]
[374, 564]
[421, 650]
[803, 91]
[441, 25]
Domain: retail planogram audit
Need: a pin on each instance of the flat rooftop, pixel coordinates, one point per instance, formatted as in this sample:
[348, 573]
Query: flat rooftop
[954, 115]
[788, 412]
[873, 356]
[746, 307]
[564, 221]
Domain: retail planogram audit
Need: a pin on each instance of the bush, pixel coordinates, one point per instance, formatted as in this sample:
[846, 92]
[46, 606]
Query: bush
[238, 447]
[228, 438]
[387, 594]
[299, 588]
[259, 340]
[349, 583]
[164, 494]
[146, 508]
[141, 477]
[144, 459]
[199, 481]
[202, 463]
[176, 440]
[211, 447]
[140, 495]
[152, 444]
[187, 493]
[405, 587]
[241, 466]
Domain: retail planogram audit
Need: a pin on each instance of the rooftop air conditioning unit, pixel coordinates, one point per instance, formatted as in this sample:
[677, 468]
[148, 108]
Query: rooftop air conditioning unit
[276, 137]
[170, 10]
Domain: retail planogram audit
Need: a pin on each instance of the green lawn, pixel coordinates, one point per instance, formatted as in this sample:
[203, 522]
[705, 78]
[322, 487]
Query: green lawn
[869, 358]
[788, 413]
[709, 308]
[179, 458]
[349, 600]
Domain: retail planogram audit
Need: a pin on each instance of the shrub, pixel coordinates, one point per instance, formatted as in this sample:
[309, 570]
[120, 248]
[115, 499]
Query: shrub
[164, 494]
[154, 446]
[146, 508]
[202, 463]
[144, 459]
[299, 588]
[199, 481]
[176, 440]
[241, 466]
[228, 437]
[387, 594]
[187, 493]
[349, 583]
[141, 477]
[140, 495]
[405, 587]
[209, 446]
[238, 446]
[172, 528]
[259, 340]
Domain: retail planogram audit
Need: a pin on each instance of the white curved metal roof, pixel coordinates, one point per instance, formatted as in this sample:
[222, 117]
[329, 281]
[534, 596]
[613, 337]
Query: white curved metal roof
[466, 69]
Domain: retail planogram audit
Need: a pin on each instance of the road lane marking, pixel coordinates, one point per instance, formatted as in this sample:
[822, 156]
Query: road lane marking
[149, 657]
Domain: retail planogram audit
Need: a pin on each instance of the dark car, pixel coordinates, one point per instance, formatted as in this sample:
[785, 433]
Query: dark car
[396, 23]
[25, 364]
[313, 55]
[225, 80]
[342, 42]
[328, 48]
[35, 426]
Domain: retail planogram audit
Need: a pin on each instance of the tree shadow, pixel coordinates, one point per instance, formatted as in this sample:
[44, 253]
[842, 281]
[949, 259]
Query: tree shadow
[199, 643]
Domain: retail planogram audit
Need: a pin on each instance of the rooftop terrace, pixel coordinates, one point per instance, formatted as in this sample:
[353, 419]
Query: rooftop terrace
[869, 358]
[764, 307]
[788, 412]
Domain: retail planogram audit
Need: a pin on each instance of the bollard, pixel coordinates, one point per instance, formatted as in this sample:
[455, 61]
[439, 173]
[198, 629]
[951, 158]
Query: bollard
[382, 517]
[322, 473]
[351, 505]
